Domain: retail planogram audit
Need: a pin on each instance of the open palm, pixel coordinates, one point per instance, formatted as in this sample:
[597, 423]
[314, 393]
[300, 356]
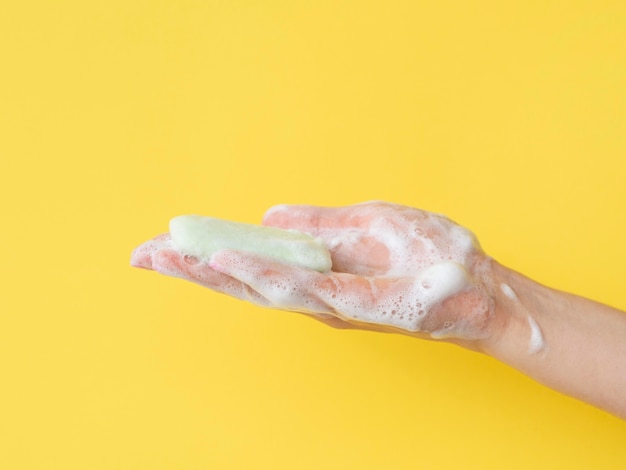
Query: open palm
[395, 268]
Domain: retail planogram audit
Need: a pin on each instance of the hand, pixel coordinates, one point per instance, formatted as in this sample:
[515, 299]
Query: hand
[395, 269]
[398, 269]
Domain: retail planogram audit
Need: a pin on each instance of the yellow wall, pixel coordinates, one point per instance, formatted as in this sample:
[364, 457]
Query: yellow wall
[115, 116]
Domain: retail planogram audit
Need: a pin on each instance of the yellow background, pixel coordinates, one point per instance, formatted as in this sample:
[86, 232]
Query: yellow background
[510, 117]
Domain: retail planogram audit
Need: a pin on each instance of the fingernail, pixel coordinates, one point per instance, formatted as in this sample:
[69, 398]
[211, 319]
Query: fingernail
[274, 210]
[140, 258]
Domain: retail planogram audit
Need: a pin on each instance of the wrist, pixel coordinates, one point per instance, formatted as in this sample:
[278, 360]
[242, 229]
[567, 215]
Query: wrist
[571, 344]
[515, 330]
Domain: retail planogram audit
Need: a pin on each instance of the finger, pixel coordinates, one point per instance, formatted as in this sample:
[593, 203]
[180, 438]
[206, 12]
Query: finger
[172, 263]
[344, 230]
[157, 255]
[304, 218]
[284, 286]
[141, 256]
[314, 220]
[351, 298]
[397, 305]
[383, 302]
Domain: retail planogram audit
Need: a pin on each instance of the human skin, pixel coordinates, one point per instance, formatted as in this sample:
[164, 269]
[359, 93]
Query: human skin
[379, 250]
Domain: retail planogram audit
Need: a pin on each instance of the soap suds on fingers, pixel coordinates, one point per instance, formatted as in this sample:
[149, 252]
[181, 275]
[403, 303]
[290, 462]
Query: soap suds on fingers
[409, 262]
[402, 303]
[391, 265]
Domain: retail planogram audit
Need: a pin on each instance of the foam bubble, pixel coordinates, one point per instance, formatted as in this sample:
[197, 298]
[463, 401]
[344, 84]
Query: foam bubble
[506, 290]
[536, 342]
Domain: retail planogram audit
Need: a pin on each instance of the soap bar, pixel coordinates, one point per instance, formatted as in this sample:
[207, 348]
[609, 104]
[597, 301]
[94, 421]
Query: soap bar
[202, 236]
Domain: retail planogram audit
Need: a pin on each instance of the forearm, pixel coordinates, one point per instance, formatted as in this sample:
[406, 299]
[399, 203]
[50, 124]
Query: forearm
[571, 344]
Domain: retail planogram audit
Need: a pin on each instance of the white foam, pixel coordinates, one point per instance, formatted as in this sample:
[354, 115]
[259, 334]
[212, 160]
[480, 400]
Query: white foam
[415, 239]
[506, 290]
[536, 342]
[404, 303]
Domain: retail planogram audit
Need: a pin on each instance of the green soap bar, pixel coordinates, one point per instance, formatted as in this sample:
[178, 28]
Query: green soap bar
[202, 236]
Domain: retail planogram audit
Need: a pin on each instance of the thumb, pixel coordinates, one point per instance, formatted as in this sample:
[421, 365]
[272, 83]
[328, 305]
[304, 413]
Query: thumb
[313, 220]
